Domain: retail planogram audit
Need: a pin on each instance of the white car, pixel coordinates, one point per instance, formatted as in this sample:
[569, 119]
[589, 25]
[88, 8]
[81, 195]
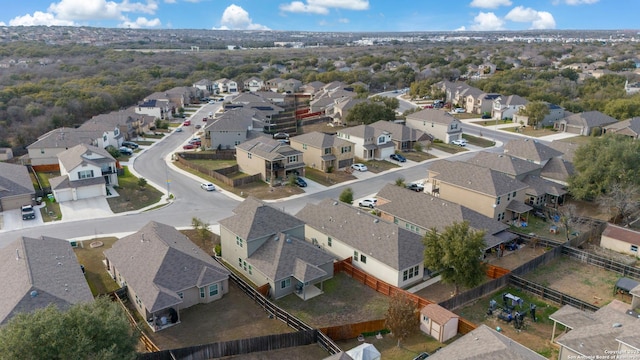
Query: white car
[359, 167]
[459, 142]
[459, 110]
[207, 186]
[369, 202]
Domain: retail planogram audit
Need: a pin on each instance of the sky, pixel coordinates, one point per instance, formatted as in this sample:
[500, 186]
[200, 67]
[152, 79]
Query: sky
[328, 15]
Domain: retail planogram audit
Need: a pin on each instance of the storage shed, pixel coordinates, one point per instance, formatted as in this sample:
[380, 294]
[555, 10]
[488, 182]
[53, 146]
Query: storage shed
[438, 322]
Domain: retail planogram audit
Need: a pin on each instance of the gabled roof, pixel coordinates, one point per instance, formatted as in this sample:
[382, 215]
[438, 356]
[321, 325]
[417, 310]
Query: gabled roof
[539, 186]
[475, 178]
[237, 120]
[254, 219]
[320, 140]
[432, 115]
[14, 180]
[532, 150]
[631, 126]
[623, 234]
[430, 212]
[64, 138]
[484, 343]
[557, 169]
[503, 163]
[401, 132]
[107, 122]
[267, 148]
[512, 100]
[567, 148]
[590, 119]
[37, 272]
[158, 262]
[438, 314]
[382, 240]
[84, 154]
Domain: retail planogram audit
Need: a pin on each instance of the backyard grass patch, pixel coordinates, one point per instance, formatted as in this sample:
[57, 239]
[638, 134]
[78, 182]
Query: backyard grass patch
[132, 196]
[99, 280]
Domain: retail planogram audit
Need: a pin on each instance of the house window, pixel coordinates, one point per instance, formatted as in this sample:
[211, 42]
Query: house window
[237, 142]
[292, 158]
[498, 201]
[501, 216]
[239, 262]
[329, 242]
[405, 275]
[425, 318]
[244, 265]
[85, 174]
[346, 149]
[304, 146]
[41, 151]
[138, 302]
[381, 140]
[285, 283]
[202, 292]
[395, 220]
[634, 248]
[327, 151]
[249, 155]
[250, 272]
[238, 241]
[181, 295]
[355, 255]
[363, 259]
[213, 290]
[508, 196]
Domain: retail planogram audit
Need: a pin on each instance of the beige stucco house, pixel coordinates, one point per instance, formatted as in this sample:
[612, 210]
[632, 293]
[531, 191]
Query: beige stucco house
[437, 123]
[369, 142]
[620, 239]
[16, 188]
[45, 150]
[323, 151]
[272, 159]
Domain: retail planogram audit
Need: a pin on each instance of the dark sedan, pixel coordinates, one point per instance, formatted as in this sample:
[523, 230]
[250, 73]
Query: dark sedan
[300, 182]
[398, 157]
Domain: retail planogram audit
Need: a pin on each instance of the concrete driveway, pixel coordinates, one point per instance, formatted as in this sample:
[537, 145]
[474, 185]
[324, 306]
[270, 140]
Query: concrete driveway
[12, 220]
[85, 209]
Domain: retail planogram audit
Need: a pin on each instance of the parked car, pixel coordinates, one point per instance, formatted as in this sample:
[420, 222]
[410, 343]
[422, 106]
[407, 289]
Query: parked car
[207, 186]
[459, 142]
[459, 110]
[130, 144]
[421, 356]
[212, 101]
[28, 213]
[198, 126]
[428, 106]
[187, 123]
[486, 116]
[179, 129]
[189, 147]
[398, 157]
[359, 167]
[204, 119]
[368, 202]
[300, 182]
[415, 187]
[125, 150]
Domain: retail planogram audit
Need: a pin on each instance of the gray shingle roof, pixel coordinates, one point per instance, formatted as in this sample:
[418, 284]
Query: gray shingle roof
[590, 119]
[158, 261]
[268, 148]
[539, 186]
[367, 233]
[84, 154]
[237, 120]
[503, 163]
[475, 178]
[567, 148]
[320, 140]
[558, 169]
[14, 180]
[400, 132]
[513, 100]
[484, 343]
[532, 150]
[64, 138]
[630, 125]
[37, 272]
[432, 115]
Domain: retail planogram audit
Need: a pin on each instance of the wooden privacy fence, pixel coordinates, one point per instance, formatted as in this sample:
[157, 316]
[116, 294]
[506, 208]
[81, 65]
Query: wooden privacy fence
[550, 294]
[351, 331]
[473, 294]
[495, 272]
[221, 174]
[144, 339]
[538, 261]
[602, 262]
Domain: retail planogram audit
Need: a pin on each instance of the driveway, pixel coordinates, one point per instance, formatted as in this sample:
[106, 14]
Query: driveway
[12, 220]
[84, 209]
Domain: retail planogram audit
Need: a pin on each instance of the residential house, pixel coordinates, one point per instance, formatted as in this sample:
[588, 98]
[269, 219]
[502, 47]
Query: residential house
[226, 86]
[164, 272]
[341, 109]
[117, 126]
[403, 137]
[629, 127]
[555, 114]
[485, 343]
[505, 107]
[439, 124]
[482, 189]
[456, 92]
[311, 88]
[620, 239]
[370, 143]
[419, 213]
[16, 188]
[289, 86]
[158, 109]
[480, 103]
[323, 151]
[45, 150]
[38, 272]
[6, 154]
[267, 246]
[438, 322]
[273, 84]
[585, 123]
[614, 327]
[253, 84]
[272, 97]
[270, 158]
[531, 150]
[231, 128]
[85, 171]
[376, 246]
[177, 97]
[205, 86]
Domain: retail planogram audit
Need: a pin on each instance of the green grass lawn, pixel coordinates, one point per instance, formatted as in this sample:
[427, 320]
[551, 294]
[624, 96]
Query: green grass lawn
[132, 196]
[213, 164]
[451, 149]
[377, 166]
[478, 141]
[100, 282]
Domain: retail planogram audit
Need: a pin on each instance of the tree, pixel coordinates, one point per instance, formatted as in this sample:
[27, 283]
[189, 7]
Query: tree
[96, 330]
[346, 196]
[536, 111]
[371, 111]
[568, 218]
[601, 163]
[142, 183]
[456, 253]
[402, 316]
[620, 201]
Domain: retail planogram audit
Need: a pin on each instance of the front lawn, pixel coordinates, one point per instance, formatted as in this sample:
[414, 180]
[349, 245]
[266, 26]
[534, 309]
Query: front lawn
[132, 195]
[327, 179]
[449, 148]
[377, 166]
[478, 141]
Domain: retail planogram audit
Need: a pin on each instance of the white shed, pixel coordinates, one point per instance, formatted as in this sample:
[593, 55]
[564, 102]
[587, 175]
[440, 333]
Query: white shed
[438, 322]
[364, 351]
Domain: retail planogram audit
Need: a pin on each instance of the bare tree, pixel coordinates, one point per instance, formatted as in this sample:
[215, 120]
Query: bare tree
[402, 317]
[568, 218]
[620, 201]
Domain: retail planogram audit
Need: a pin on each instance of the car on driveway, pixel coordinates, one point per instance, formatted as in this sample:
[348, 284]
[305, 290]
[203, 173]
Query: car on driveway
[207, 186]
[130, 144]
[28, 213]
[359, 167]
[459, 110]
[300, 182]
[459, 142]
[486, 116]
[189, 147]
[415, 187]
[125, 150]
[368, 202]
[398, 157]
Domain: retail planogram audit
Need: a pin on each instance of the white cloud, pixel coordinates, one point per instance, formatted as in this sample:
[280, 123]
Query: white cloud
[490, 4]
[39, 18]
[461, 28]
[140, 23]
[487, 21]
[236, 18]
[323, 6]
[538, 19]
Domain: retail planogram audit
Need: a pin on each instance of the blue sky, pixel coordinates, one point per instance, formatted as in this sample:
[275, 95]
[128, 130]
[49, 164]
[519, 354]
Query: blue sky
[328, 15]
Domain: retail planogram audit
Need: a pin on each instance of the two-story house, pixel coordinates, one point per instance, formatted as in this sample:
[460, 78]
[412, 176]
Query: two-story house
[323, 151]
[341, 109]
[487, 191]
[231, 128]
[505, 107]
[376, 246]
[16, 188]
[267, 246]
[85, 171]
[272, 159]
[439, 124]
[370, 143]
[479, 103]
[45, 150]
[158, 109]
[403, 137]
[205, 86]
[108, 131]
[253, 84]
[225, 85]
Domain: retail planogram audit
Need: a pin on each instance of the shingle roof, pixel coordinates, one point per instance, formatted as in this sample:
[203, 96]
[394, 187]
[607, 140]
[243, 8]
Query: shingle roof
[267, 148]
[37, 272]
[14, 180]
[320, 140]
[503, 163]
[590, 119]
[438, 314]
[400, 132]
[532, 150]
[557, 169]
[158, 261]
[539, 186]
[371, 235]
[630, 125]
[623, 234]
[432, 115]
[239, 119]
[567, 148]
[84, 154]
[513, 100]
[64, 138]
[484, 343]
[475, 178]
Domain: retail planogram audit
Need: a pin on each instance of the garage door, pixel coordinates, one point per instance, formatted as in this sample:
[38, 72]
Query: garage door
[345, 163]
[86, 192]
[63, 195]
[574, 129]
[15, 202]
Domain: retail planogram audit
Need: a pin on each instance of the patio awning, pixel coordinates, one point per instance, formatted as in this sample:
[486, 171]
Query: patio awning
[518, 207]
[328, 157]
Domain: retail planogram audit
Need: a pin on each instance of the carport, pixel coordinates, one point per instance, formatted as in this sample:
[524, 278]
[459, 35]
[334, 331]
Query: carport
[625, 285]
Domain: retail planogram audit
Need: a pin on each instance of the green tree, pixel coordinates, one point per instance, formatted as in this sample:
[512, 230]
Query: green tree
[402, 317]
[346, 196]
[456, 253]
[369, 112]
[142, 183]
[536, 111]
[96, 330]
[603, 162]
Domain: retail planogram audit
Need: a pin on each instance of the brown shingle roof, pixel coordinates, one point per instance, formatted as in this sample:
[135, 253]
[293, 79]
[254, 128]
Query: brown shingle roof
[320, 140]
[438, 314]
[475, 178]
[532, 150]
[504, 163]
[623, 234]
[14, 180]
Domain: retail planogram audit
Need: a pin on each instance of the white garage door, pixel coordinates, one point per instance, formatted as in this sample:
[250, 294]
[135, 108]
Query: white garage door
[86, 192]
[63, 195]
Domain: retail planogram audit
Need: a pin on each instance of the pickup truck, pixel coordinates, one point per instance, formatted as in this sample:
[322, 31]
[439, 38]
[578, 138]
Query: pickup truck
[28, 213]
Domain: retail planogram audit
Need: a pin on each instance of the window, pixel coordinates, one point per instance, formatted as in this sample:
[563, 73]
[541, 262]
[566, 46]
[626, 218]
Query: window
[514, 194]
[355, 255]
[363, 259]
[345, 149]
[238, 241]
[508, 196]
[498, 201]
[85, 174]
[292, 158]
[327, 151]
[202, 292]
[237, 142]
[329, 242]
[249, 155]
[395, 220]
[250, 272]
[304, 146]
[181, 295]
[381, 140]
[634, 248]
[138, 301]
[240, 262]
[244, 265]
[213, 290]
[501, 216]
[285, 283]
[41, 151]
